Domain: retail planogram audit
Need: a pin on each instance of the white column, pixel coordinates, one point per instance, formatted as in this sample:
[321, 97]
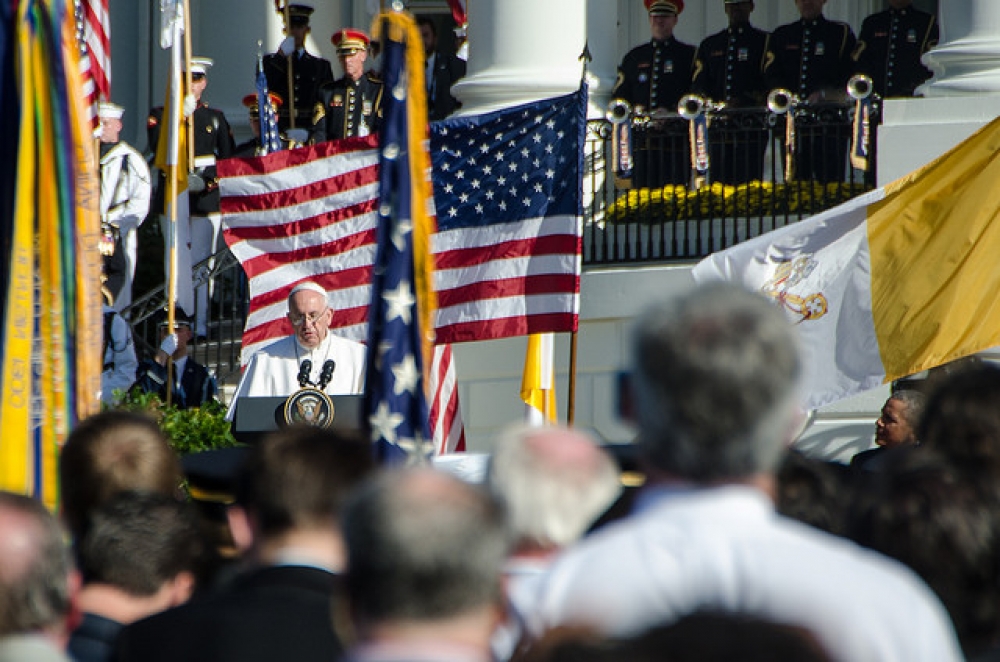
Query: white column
[967, 61]
[521, 51]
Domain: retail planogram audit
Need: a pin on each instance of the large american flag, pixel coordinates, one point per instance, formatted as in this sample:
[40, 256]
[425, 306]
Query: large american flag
[507, 188]
[311, 214]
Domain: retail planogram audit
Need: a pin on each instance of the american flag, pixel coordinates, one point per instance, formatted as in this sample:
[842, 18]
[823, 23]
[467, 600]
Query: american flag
[507, 188]
[94, 33]
[270, 137]
[311, 214]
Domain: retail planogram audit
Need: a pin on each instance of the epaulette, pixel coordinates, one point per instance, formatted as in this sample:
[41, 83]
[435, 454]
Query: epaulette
[374, 77]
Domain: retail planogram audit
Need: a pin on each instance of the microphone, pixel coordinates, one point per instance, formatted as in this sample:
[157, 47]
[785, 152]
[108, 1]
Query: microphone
[327, 374]
[304, 371]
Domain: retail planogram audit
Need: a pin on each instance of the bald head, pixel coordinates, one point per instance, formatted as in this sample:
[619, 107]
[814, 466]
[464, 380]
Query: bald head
[35, 568]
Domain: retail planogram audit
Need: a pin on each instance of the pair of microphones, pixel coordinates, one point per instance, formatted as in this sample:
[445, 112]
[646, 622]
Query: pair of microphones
[325, 375]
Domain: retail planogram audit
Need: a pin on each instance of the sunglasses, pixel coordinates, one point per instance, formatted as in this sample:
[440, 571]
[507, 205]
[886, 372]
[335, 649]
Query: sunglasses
[197, 76]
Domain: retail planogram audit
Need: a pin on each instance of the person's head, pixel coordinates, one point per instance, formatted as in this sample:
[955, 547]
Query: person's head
[146, 545]
[897, 425]
[424, 548]
[738, 11]
[309, 313]
[199, 75]
[37, 579]
[110, 115]
[428, 34]
[714, 379]
[962, 420]
[182, 327]
[810, 9]
[554, 483]
[298, 23]
[111, 452]
[352, 51]
[700, 636]
[921, 511]
[250, 101]
[812, 491]
[297, 479]
[663, 17]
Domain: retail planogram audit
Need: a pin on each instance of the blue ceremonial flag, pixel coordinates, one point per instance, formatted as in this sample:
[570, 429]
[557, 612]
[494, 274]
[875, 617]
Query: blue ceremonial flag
[270, 137]
[400, 320]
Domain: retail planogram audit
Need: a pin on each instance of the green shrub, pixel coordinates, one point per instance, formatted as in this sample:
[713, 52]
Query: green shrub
[188, 430]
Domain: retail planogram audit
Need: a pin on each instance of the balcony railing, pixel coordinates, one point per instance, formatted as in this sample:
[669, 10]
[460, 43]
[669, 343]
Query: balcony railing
[670, 211]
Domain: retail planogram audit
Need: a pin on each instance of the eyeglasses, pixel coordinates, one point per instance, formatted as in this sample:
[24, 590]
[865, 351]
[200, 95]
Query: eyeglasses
[197, 76]
[311, 318]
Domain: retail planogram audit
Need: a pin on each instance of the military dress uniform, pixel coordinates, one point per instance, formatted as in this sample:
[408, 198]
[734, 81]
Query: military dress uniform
[309, 73]
[730, 67]
[889, 50]
[653, 77]
[815, 56]
[348, 108]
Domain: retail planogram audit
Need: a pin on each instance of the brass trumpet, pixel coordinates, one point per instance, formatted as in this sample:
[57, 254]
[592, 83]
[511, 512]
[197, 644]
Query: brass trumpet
[691, 106]
[619, 111]
[859, 87]
[780, 101]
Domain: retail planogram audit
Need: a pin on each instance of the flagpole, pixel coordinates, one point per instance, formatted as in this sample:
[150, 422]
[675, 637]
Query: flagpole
[187, 85]
[291, 73]
[571, 389]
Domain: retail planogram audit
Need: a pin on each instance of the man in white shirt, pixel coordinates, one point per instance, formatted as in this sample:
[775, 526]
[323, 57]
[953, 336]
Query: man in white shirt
[715, 373]
[278, 369]
[126, 188]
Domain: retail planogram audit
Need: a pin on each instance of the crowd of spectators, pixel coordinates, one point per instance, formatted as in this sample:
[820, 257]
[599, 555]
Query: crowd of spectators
[734, 546]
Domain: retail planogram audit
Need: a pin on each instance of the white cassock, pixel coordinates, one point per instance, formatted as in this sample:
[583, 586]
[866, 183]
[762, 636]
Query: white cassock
[274, 370]
[125, 191]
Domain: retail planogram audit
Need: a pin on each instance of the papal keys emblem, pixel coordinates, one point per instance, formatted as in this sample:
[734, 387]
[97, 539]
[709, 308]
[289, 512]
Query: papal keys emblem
[787, 275]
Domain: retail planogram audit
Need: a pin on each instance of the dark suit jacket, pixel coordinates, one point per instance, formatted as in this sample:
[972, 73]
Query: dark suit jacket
[273, 613]
[197, 385]
[447, 70]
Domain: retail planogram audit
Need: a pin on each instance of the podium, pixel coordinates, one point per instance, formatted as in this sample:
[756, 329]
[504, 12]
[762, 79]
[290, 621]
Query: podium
[256, 417]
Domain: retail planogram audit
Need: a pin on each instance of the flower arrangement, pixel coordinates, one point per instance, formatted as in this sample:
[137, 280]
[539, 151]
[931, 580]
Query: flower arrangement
[753, 199]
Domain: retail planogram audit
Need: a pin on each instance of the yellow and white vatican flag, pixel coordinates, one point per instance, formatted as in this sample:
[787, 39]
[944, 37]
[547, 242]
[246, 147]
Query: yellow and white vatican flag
[538, 385]
[899, 280]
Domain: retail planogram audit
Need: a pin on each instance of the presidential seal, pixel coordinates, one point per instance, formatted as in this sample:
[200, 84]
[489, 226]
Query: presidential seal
[309, 406]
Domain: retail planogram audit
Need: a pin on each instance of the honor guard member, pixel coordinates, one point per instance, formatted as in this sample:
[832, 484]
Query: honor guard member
[213, 141]
[193, 384]
[309, 72]
[813, 62]
[730, 67]
[254, 146]
[126, 189]
[350, 106]
[890, 46]
[653, 77]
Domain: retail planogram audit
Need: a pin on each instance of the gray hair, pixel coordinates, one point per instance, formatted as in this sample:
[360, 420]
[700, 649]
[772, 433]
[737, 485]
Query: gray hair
[554, 482]
[422, 545]
[715, 372]
[35, 567]
[915, 402]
